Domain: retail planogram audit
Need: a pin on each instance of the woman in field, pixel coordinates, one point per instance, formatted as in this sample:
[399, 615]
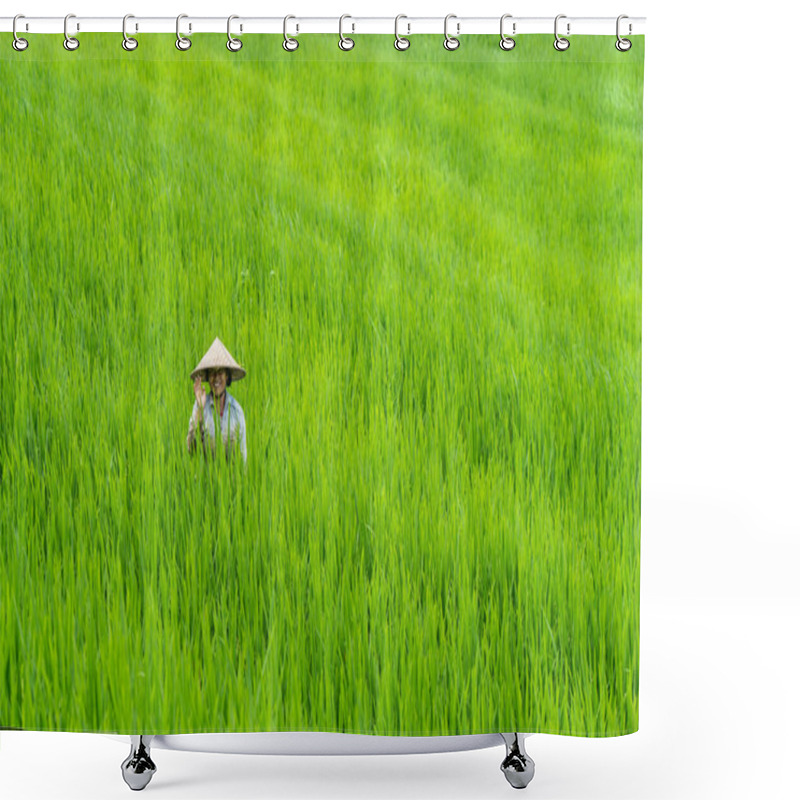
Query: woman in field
[217, 408]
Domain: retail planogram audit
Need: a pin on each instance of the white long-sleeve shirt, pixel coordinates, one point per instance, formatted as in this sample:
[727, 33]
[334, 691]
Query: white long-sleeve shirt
[231, 425]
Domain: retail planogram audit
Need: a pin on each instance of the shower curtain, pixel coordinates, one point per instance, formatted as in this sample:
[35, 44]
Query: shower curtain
[321, 385]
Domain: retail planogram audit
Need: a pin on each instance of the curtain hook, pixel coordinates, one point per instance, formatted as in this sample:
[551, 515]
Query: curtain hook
[506, 42]
[290, 44]
[345, 42]
[623, 45]
[234, 44]
[450, 42]
[18, 44]
[182, 43]
[128, 42]
[70, 42]
[400, 42]
[561, 43]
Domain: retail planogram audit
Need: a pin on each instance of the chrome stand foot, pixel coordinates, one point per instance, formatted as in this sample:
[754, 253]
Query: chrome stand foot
[517, 766]
[138, 768]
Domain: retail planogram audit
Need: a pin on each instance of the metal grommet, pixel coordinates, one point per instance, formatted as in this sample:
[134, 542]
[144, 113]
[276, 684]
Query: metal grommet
[290, 44]
[233, 44]
[345, 42]
[623, 45]
[450, 42]
[18, 43]
[506, 42]
[561, 43]
[400, 42]
[182, 43]
[128, 42]
[70, 42]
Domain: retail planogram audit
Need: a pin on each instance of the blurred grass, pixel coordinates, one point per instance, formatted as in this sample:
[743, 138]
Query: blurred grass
[432, 273]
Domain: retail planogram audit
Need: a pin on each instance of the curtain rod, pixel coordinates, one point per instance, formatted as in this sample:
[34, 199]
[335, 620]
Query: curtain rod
[407, 26]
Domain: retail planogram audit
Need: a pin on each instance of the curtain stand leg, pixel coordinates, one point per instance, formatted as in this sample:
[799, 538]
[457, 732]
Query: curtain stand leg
[138, 768]
[517, 766]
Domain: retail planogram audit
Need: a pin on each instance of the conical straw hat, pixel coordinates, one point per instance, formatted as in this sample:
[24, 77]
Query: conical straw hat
[217, 357]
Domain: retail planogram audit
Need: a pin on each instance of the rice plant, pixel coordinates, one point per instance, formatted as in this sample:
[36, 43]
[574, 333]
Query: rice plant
[430, 265]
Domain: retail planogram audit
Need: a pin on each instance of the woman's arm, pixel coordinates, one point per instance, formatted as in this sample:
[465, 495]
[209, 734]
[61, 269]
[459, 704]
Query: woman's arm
[195, 423]
[197, 419]
[243, 437]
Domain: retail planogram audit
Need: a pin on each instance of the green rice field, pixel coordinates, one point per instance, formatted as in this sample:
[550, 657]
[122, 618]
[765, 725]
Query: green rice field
[429, 263]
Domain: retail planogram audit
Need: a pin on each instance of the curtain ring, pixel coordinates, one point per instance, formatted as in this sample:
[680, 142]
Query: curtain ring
[561, 43]
[18, 44]
[623, 45]
[450, 42]
[128, 42]
[233, 44]
[506, 42]
[182, 43]
[345, 42]
[290, 44]
[70, 42]
[400, 42]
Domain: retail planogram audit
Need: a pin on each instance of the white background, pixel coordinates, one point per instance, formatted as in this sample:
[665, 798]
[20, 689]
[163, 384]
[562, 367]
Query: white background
[720, 607]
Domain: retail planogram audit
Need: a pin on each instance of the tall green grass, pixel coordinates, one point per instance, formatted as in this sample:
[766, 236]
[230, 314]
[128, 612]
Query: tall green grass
[430, 265]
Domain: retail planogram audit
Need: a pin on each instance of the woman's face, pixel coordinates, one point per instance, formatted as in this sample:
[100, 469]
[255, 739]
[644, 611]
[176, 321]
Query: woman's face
[217, 380]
